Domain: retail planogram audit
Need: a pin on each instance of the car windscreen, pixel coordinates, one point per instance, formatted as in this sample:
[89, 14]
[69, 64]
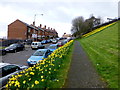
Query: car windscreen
[39, 53]
[9, 69]
[13, 45]
[43, 41]
[52, 47]
[34, 43]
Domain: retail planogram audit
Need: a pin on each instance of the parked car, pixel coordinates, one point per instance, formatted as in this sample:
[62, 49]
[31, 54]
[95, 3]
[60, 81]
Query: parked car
[37, 45]
[49, 41]
[44, 42]
[65, 41]
[53, 47]
[58, 39]
[54, 41]
[7, 70]
[2, 52]
[37, 56]
[59, 44]
[15, 47]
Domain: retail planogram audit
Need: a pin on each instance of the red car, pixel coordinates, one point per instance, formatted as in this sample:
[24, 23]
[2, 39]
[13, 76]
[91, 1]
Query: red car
[59, 44]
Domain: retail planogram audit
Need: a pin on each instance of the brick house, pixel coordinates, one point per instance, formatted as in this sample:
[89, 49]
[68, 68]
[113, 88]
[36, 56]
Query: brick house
[23, 31]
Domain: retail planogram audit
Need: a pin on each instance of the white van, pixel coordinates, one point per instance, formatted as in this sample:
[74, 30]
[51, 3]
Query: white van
[37, 45]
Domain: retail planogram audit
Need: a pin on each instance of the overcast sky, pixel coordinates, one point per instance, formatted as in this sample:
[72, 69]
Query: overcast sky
[57, 14]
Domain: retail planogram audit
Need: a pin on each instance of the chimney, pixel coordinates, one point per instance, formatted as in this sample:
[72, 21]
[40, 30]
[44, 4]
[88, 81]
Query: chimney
[48, 28]
[40, 25]
[34, 23]
[45, 27]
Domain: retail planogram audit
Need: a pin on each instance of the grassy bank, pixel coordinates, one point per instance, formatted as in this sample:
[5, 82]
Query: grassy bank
[102, 48]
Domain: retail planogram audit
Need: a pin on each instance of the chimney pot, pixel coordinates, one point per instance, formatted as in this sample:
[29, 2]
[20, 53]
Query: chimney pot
[48, 27]
[45, 26]
[34, 23]
[40, 25]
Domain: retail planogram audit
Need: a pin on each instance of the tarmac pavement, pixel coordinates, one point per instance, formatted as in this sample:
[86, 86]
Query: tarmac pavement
[82, 74]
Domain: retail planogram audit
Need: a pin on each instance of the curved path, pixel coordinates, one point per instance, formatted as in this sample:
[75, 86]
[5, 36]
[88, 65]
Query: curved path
[82, 74]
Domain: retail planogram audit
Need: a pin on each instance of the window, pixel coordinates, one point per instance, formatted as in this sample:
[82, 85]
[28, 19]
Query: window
[9, 69]
[52, 47]
[34, 31]
[39, 53]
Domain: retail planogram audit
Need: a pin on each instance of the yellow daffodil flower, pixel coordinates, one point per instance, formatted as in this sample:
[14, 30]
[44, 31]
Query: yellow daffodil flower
[36, 82]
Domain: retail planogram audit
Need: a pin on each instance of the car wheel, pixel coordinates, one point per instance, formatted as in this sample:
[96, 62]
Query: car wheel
[23, 49]
[15, 51]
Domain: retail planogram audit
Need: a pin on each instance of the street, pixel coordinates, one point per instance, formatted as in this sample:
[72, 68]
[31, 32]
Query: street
[19, 57]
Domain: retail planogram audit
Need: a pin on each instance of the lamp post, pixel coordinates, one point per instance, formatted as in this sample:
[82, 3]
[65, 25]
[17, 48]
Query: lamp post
[36, 15]
[34, 35]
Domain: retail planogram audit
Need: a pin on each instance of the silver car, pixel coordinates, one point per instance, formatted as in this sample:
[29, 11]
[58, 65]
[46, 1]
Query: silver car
[7, 70]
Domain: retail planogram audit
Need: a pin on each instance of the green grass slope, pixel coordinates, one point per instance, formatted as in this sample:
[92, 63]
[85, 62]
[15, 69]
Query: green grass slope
[102, 49]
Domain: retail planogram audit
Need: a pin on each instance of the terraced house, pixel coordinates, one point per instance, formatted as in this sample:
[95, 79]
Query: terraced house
[23, 31]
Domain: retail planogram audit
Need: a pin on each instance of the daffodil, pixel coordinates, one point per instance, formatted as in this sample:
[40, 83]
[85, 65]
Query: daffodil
[32, 85]
[29, 79]
[24, 82]
[26, 74]
[17, 83]
[36, 82]
[32, 73]
[49, 68]
[12, 82]
[41, 76]
[42, 80]
[6, 85]
[57, 80]
[37, 67]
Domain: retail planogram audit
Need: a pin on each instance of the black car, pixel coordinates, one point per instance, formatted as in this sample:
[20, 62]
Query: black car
[15, 48]
[2, 52]
[7, 70]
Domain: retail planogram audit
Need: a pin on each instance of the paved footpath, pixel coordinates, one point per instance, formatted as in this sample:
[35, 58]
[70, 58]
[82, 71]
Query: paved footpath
[82, 74]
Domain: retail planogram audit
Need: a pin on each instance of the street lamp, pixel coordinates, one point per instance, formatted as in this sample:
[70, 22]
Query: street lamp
[36, 15]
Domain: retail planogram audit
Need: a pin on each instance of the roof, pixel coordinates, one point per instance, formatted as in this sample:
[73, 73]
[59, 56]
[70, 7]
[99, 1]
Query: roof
[34, 27]
[42, 49]
[3, 64]
[40, 29]
[27, 24]
[53, 45]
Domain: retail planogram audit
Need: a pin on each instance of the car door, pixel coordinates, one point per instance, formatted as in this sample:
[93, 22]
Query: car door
[7, 72]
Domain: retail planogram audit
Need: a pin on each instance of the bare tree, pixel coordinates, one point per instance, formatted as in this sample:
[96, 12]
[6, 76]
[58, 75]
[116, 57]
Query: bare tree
[81, 26]
[77, 25]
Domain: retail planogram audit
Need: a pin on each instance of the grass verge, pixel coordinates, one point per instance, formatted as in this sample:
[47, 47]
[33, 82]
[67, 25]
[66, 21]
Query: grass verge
[2, 47]
[63, 72]
[102, 48]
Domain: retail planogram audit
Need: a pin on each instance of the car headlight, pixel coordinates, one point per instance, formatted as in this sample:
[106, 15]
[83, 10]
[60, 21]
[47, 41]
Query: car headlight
[11, 49]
